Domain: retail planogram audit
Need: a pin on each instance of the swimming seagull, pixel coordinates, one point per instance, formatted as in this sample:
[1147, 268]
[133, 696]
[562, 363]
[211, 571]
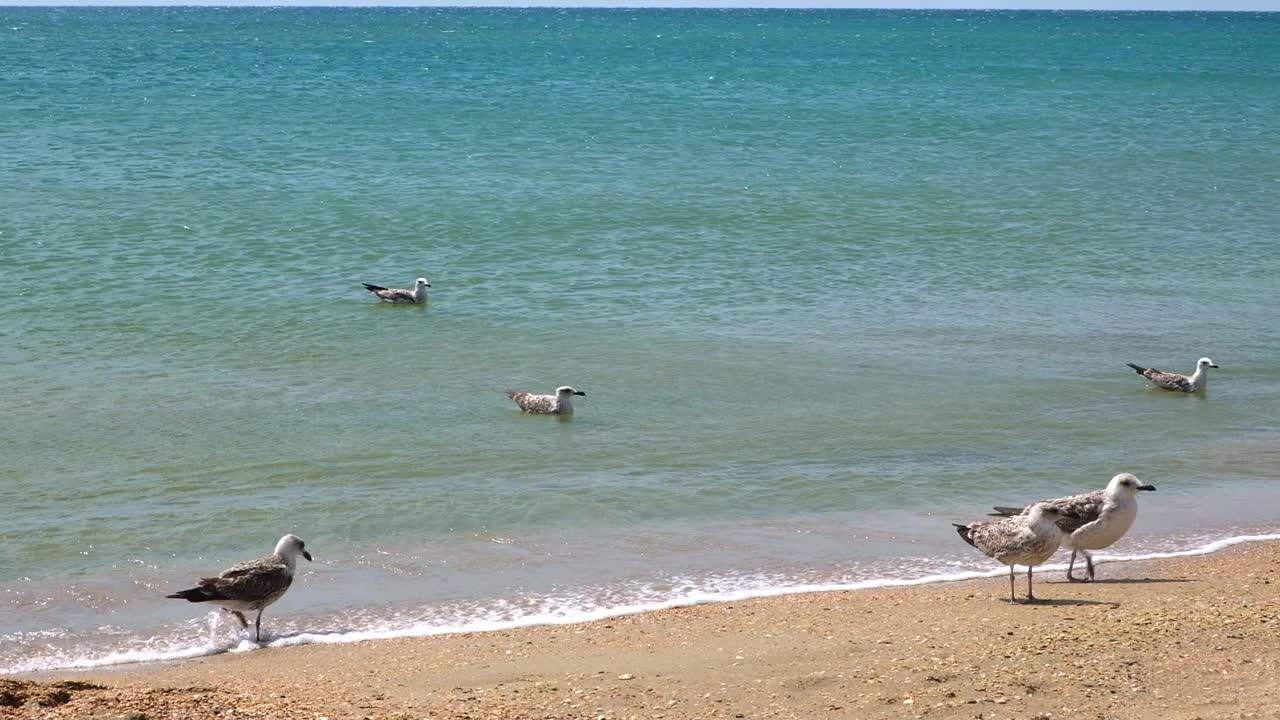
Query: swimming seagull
[251, 585]
[417, 295]
[558, 404]
[1020, 540]
[1101, 517]
[1173, 381]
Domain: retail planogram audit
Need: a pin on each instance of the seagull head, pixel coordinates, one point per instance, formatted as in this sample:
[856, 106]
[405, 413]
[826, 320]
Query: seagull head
[421, 283]
[566, 391]
[1205, 363]
[1047, 512]
[290, 547]
[1127, 483]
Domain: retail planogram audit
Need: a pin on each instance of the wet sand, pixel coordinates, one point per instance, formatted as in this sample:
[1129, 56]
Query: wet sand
[1179, 638]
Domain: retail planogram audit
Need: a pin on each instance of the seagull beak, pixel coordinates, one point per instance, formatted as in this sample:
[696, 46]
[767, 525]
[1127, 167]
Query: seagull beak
[1213, 366]
[1147, 487]
[306, 555]
[427, 284]
[580, 393]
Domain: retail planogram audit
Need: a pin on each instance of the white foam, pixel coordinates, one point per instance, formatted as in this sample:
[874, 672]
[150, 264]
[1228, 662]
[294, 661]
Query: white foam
[562, 611]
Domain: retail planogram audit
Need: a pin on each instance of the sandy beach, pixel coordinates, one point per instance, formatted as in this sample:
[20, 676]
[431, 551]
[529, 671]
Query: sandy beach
[831, 279]
[1178, 638]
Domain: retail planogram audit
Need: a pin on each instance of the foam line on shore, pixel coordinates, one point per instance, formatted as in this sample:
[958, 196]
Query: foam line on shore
[564, 612]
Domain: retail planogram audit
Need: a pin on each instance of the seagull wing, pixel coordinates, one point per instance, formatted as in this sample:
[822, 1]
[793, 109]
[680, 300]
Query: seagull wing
[1014, 541]
[1168, 380]
[1087, 506]
[539, 404]
[397, 296]
[249, 582]
[531, 403]
[1084, 509]
[996, 538]
[249, 566]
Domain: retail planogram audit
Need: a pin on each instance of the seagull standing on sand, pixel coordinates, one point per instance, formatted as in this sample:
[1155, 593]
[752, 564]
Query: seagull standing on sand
[1178, 383]
[1094, 520]
[416, 296]
[251, 585]
[558, 404]
[1020, 540]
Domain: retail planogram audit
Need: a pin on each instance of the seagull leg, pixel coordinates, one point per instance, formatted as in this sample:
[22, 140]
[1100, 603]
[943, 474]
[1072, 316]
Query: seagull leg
[240, 616]
[1030, 596]
[1012, 599]
[1072, 564]
[257, 628]
[1088, 559]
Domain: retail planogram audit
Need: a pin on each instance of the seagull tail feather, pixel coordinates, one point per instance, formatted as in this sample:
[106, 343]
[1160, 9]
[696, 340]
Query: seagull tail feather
[963, 531]
[1137, 368]
[1002, 511]
[372, 288]
[196, 594]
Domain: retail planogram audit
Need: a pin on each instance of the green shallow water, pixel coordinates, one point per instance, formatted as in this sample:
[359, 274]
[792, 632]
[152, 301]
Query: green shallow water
[830, 279]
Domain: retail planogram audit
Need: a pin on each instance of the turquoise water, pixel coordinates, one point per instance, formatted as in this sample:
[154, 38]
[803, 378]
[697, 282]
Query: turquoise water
[830, 279]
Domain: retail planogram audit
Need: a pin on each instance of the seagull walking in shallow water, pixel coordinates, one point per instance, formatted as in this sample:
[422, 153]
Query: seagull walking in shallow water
[1020, 540]
[1194, 382]
[1094, 520]
[251, 585]
[559, 404]
[416, 296]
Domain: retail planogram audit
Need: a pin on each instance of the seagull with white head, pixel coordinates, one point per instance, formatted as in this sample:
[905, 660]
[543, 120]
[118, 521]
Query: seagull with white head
[1195, 382]
[1095, 520]
[251, 585]
[416, 296]
[559, 404]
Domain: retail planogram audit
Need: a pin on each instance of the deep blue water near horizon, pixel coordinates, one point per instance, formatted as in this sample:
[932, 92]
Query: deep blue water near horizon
[830, 279]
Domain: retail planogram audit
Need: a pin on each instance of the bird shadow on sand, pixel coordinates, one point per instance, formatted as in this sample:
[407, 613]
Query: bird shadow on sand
[1135, 581]
[1119, 581]
[1064, 602]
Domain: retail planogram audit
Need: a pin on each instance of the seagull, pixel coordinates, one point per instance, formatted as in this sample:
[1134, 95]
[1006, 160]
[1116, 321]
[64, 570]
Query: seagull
[416, 296]
[251, 585]
[1173, 381]
[1020, 540]
[1100, 517]
[558, 404]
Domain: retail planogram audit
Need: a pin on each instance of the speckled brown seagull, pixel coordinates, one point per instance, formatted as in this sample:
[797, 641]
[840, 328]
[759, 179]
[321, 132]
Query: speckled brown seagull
[558, 404]
[416, 296]
[1020, 540]
[1095, 520]
[1178, 383]
[251, 585]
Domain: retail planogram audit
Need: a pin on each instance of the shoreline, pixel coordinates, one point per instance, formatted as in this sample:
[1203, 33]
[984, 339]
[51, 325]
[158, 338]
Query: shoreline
[1169, 638]
[126, 658]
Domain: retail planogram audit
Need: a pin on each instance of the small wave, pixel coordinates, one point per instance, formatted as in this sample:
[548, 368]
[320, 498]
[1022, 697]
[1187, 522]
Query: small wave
[569, 611]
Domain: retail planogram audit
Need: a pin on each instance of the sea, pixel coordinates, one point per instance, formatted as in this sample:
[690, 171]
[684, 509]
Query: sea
[830, 280]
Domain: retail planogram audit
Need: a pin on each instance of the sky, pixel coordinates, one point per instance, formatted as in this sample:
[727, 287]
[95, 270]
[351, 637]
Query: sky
[1265, 5]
